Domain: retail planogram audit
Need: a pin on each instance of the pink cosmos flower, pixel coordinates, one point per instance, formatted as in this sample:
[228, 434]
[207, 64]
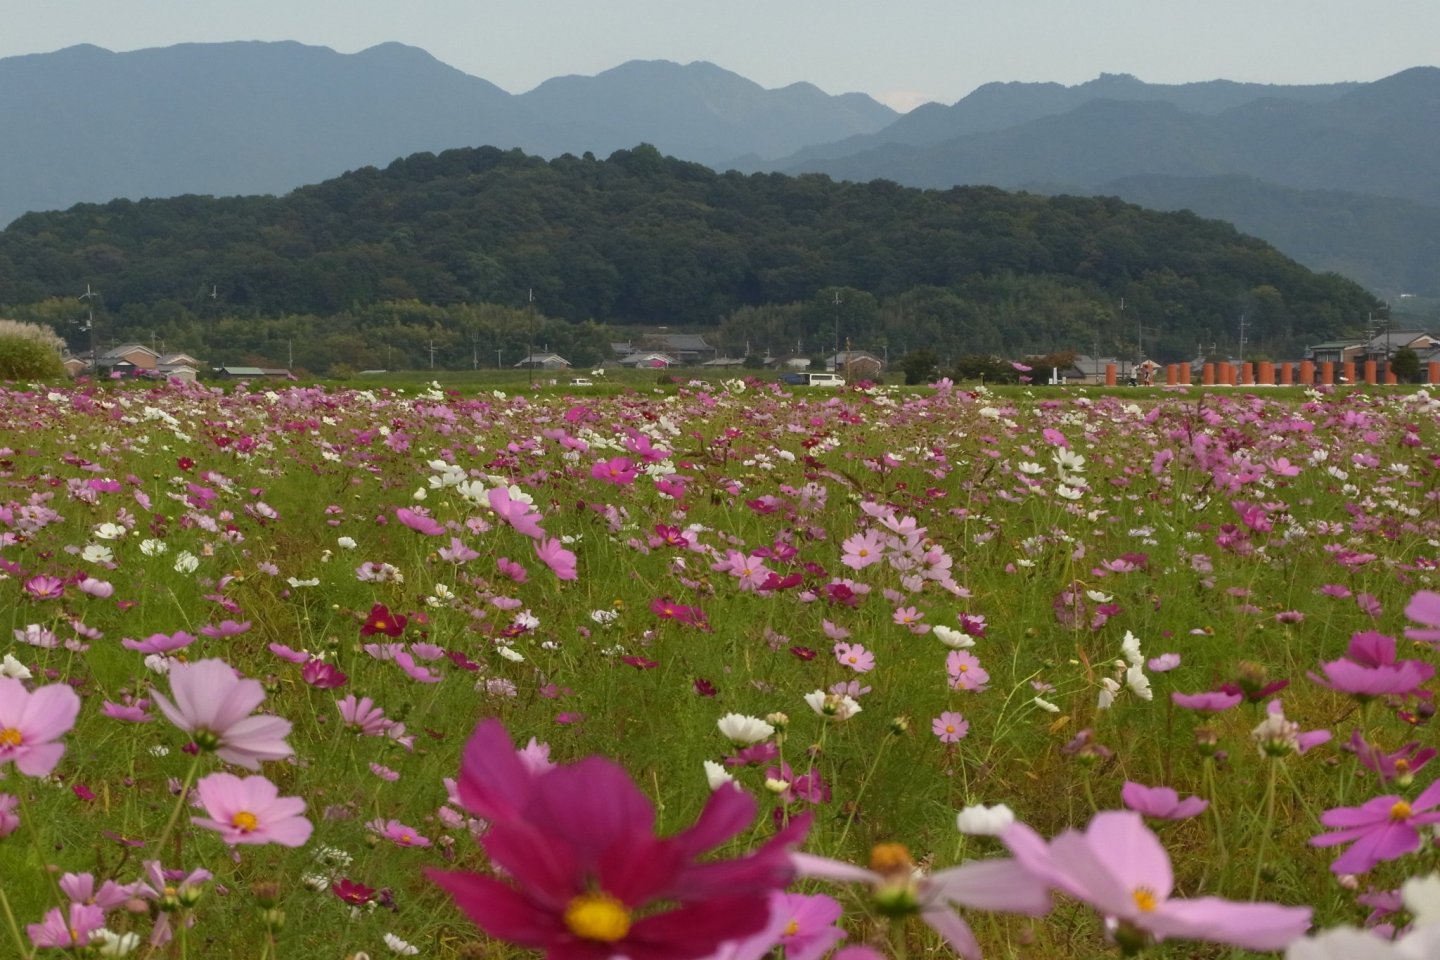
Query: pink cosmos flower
[854, 656]
[251, 810]
[213, 705]
[161, 643]
[1424, 608]
[620, 471]
[1214, 701]
[1370, 669]
[1162, 803]
[554, 555]
[517, 513]
[457, 552]
[31, 725]
[57, 930]
[80, 888]
[1163, 663]
[397, 833]
[9, 819]
[289, 654]
[1118, 866]
[950, 727]
[1400, 765]
[363, 715]
[419, 522]
[584, 875]
[137, 711]
[322, 674]
[381, 620]
[806, 926]
[1382, 829]
[224, 629]
[45, 587]
[965, 671]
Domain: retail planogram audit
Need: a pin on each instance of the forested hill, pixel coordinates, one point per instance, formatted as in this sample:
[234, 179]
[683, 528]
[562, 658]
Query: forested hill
[641, 238]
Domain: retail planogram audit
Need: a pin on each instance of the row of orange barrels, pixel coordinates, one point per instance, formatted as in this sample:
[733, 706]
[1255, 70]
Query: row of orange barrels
[1269, 374]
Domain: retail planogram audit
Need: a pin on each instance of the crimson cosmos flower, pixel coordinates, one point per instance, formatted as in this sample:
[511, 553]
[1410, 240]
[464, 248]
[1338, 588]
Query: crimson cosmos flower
[586, 876]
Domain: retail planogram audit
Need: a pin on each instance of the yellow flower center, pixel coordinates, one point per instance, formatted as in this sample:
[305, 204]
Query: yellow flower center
[1401, 811]
[1402, 766]
[597, 916]
[888, 858]
[10, 737]
[949, 728]
[792, 928]
[1145, 899]
[245, 821]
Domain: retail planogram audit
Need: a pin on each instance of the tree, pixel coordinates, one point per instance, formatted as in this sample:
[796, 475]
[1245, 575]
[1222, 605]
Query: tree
[919, 366]
[1405, 364]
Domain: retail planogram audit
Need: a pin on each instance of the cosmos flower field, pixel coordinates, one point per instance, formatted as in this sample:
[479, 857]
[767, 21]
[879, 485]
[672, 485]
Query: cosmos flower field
[718, 671]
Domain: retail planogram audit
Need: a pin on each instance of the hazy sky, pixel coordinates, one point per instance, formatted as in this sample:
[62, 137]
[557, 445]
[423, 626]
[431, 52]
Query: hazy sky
[900, 51]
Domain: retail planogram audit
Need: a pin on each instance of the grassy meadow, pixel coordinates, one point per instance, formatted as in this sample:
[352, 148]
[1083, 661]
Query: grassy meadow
[1009, 585]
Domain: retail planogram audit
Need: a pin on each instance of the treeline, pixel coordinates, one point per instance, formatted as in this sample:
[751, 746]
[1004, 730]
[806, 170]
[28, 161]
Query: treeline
[447, 250]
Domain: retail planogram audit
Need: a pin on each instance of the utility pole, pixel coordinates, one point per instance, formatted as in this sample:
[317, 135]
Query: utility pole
[88, 296]
[432, 354]
[530, 347]
[837, 323]
[1241, 357]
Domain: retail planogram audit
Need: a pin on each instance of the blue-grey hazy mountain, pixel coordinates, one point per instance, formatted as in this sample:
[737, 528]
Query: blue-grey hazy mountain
[1386, 244]
[86, 124]
[999, 106]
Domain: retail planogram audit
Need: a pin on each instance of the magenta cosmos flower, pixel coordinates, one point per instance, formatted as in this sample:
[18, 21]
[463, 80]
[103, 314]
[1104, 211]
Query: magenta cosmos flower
[1119, 867]
[585, 876]
[213, 705]
[1162, 803]
[1382, 829]
[31, 725]
[251, 810]
[1424, 608]
[1369, 669]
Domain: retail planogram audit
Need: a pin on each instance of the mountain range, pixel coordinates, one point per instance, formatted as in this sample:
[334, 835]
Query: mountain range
[1342, 176]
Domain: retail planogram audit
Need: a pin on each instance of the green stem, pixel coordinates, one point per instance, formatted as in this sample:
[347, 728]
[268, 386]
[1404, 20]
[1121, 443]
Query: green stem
[179, 805]
[1268, 827]
[855, 805]
[1212, 795]
[20, 948]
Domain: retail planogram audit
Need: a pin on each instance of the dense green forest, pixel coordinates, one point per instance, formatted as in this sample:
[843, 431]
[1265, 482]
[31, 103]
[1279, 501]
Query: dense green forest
[377, 267]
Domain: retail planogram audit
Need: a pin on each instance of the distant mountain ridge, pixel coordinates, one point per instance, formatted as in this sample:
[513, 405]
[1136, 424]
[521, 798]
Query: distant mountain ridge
[86, 124]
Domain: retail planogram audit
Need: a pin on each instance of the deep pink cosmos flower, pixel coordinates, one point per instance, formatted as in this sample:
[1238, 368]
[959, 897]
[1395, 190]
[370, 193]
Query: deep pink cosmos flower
[213, 705]
[31, 725]
[1162, 803]
[1118, 866]
[515, 512]
[322, 674]
[586, 877]
[251, 810]
[1382, 829]
[620, 471]
[381, 620]
[1400, 765]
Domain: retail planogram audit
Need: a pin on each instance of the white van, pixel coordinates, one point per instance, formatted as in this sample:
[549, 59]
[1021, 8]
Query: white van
[814, 379]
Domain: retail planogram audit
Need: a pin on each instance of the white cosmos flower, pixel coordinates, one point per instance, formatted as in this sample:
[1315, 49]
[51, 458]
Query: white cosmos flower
[1130, 648]
[743, 730]
[1108, 689]
[716, 775]
[1027, 467]
[153, 548]
[1067, 492]
[110, 531]
[399, 946]
[511, 654]
[97, 553]
[1045, 705]
[186, 562]
[1138, 683]
[113, 944]
[346, 543]
[982, 821]
[10, 667]
[832, 706]
[952, 638]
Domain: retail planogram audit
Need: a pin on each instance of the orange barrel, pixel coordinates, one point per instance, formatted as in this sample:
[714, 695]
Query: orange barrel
[1287, 374]
[1371, 370]
[1307, 373]
[1267, 373]
[1207, 375]
[1172, 374]
[1432, 372]
[1348, 368]
[1327, 372]
[1109, 374]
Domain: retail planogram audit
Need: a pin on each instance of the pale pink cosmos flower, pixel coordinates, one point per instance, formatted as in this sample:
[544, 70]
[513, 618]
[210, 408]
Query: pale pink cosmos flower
[1118, 866]
[553, 554]
[137, 711]
[9, 819]
[251, 810]
[965, 671]
[225, 628]
[854, 656]
[162, 643]
[213, 705]
[862, 549]
[950, 727]
[31, 725]
[1424, 608]
[363, 716]
[384, 772]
